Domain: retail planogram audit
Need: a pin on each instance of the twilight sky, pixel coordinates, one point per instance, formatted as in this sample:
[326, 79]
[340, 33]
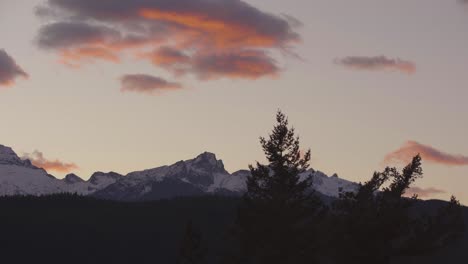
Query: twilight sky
[125, 85]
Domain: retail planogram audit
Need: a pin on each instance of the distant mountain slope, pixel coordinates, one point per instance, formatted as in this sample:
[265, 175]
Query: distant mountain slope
[20, 177]
[455, 253]
[204, 174]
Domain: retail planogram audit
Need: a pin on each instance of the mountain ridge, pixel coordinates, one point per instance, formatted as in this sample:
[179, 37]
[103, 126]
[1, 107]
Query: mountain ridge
[204, 174]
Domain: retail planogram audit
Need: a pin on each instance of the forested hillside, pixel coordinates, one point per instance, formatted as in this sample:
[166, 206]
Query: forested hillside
[74, 229]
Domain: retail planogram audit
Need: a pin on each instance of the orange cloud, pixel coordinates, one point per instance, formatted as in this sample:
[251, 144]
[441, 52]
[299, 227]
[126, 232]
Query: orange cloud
[142, 83]
[377, 63]
[185, 35]
[73, 56]
[247, 64]
[9, 70]
[411, 148]
[169, 58]
[423, 192]
[37, 159]
[221, 33]
[243, 64]
[81, 42]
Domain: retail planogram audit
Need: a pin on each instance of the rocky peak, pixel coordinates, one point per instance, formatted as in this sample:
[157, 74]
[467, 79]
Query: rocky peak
[98, 177]
[9, 157]
[208, 161]
[200, 171]
[7, 154]
[72, 179]
[241, 173]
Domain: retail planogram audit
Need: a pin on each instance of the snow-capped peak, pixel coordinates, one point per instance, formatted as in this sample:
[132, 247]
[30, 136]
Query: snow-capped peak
[21, 177]
[201, 175]
[9, 157]
[72, 179]
[207, 160]
[100, 177]
[6, 151]
[329, 185]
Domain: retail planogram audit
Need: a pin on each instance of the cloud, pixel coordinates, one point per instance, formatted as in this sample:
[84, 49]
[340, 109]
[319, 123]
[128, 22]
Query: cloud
[377, 63]
[80, 42]
[247, 64]
[9, 70]
[70, 34]
[87, 54]
[235, 64]
[147, 84]
[423, 192]
[180, 36]
[37, 159]
[169, 58]
[229, 22]
[428, 153]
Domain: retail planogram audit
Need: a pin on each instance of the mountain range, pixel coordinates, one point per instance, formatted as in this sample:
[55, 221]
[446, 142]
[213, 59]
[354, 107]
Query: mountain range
[202, 175]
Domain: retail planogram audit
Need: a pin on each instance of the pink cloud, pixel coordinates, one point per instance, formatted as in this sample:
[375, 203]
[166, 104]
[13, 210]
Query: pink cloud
[37, 159]
[147, 84]
[209, 39]
[428, 153]
[247, 64]
[9, 70]
[378, 63]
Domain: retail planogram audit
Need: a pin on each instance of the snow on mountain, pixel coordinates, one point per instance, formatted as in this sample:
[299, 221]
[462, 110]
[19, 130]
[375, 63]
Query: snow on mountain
[20, 177]
[101, 179]
[98, 181]
[72, 179]
[18, 180]
[201, 175]
[329, 186]
[236, 182]
[9, 157]
[204, 174]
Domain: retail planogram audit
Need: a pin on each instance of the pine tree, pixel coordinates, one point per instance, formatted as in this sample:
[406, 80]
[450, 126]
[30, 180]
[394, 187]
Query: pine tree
[191, 251]
[371, 221]
[450, 223]
[436, 231]
[276, 222]
[376, 223]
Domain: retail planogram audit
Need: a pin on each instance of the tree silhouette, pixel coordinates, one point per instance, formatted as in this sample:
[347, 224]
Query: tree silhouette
[275, 223]
[191, 251]
[376, 223]
[436, 231]
[449, 222]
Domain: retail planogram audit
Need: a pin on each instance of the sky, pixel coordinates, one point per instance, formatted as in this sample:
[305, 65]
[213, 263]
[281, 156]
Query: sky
[120, 85]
